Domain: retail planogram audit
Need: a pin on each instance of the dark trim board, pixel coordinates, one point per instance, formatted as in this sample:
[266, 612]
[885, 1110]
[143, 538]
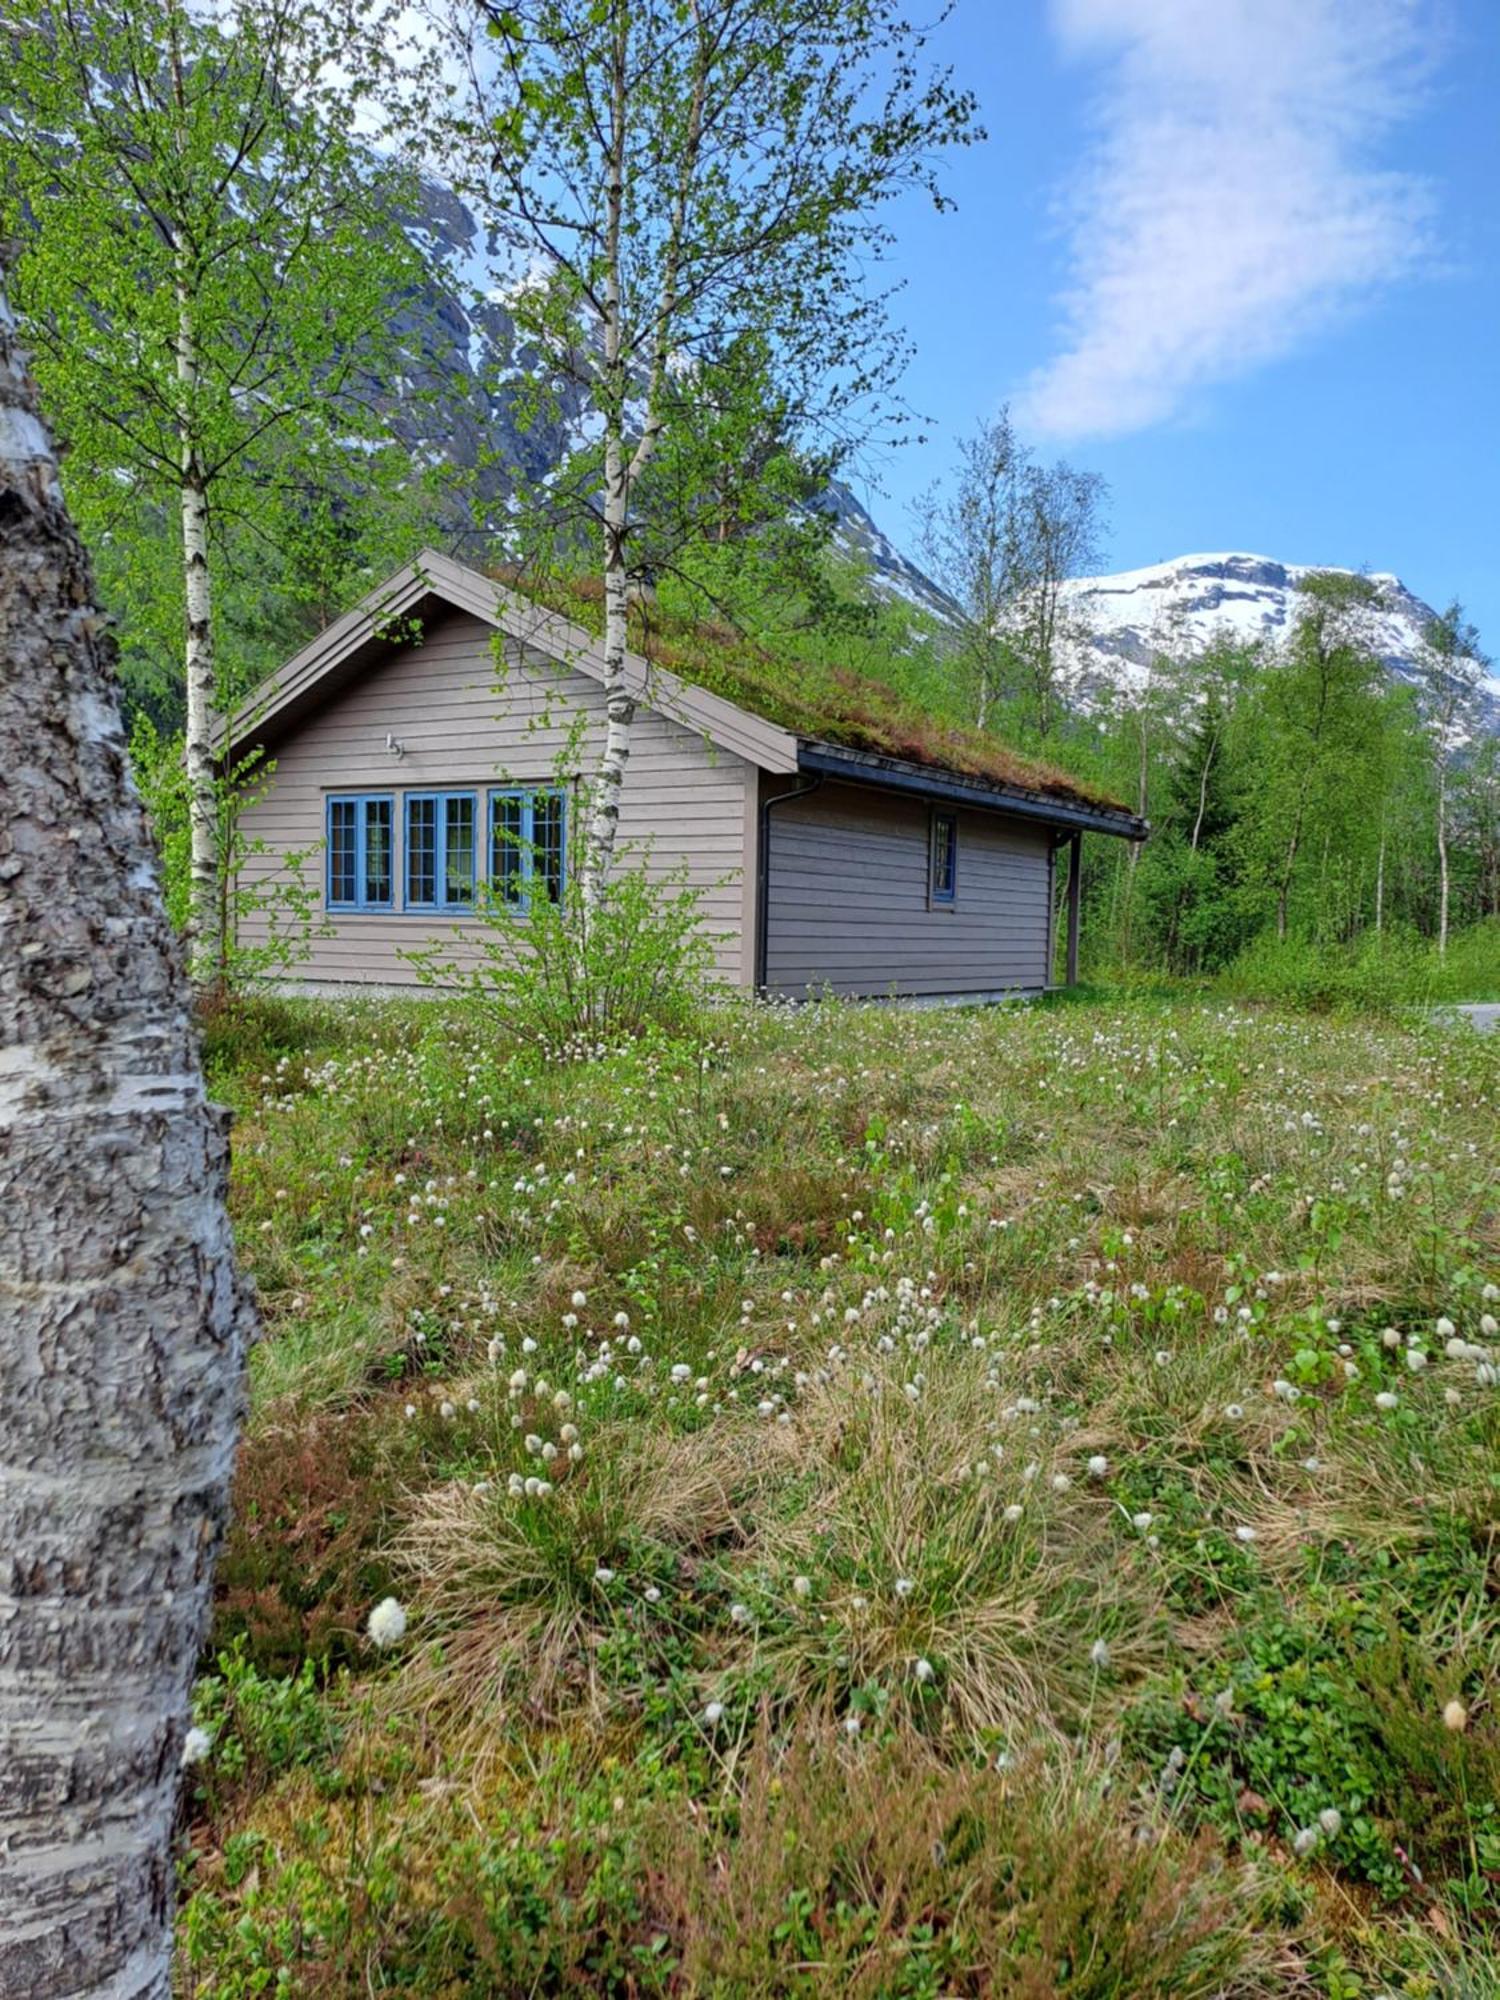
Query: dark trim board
[864, 767]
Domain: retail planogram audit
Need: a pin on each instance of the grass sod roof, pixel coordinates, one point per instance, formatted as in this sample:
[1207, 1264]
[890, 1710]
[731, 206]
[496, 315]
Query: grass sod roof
[849, 708]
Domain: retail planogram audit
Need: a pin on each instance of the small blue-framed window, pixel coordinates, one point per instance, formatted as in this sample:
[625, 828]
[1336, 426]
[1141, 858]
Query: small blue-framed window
[441, 850]
[942, 858]
[361, 851]
[528, 845]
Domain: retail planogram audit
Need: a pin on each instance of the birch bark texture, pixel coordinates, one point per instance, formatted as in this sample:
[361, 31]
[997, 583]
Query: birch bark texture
[121, 1365]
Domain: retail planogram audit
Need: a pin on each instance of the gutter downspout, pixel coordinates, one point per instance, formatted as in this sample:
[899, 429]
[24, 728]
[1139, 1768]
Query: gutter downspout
[763, 872]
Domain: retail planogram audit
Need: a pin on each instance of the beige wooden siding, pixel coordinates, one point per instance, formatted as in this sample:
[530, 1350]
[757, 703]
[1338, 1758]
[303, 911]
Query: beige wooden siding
[847, 903]
[464, 728]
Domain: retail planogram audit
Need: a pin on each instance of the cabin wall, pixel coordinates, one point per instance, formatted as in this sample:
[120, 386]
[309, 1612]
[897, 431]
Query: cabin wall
[464, 725]
[848, 908]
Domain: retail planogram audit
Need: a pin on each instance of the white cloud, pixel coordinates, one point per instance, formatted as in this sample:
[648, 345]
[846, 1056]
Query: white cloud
[1232, 202]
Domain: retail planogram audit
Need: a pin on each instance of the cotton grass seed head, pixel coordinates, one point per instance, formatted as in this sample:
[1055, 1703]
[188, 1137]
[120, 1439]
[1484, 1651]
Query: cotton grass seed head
[195, 1747]
[387, 1624]
[1455, 1717]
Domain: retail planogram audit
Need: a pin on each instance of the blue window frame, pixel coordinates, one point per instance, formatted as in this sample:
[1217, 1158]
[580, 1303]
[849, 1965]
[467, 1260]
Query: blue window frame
[528, 845]
[942, 858]
[361, 851]
[440, 850]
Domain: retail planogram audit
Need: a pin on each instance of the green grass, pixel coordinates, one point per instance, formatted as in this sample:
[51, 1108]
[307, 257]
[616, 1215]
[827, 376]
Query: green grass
[884, 1503]
[813, 697]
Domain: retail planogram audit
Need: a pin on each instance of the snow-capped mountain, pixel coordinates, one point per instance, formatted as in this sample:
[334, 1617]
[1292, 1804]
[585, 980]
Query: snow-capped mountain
[1117, 624]
[1173, 609]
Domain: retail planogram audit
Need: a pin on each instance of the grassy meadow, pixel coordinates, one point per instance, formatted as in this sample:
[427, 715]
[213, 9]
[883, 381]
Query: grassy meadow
[859, 1502]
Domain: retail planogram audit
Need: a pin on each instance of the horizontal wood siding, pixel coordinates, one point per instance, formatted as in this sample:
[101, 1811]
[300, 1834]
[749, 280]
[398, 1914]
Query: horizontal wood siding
[847, 908]
[464, 727]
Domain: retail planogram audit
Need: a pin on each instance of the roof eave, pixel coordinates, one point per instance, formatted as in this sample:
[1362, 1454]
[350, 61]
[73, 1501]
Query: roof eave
[871, 768]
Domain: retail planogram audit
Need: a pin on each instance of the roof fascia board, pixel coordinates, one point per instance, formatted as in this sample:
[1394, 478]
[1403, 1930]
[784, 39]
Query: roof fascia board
[864, 767]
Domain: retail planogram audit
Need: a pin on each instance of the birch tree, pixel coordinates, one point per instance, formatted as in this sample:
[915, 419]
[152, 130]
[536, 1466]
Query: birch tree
[120, 1370]
[207, 265]
[1004, 542]
[1318, 718]
[677, 173]
[1451, 666]
[969, 537]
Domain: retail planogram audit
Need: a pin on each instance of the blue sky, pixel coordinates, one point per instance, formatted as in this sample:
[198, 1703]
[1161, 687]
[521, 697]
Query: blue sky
[1242, 257]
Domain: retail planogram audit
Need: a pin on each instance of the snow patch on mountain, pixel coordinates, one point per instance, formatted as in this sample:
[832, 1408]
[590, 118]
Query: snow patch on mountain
[1120, 623]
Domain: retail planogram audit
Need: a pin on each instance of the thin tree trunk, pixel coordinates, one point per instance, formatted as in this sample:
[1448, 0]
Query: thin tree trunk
[1284, 888]
[205, 931]
[122, 1357]
[1442, 847]
[1380, 884]
[620, 474]
[1203, 794]
[619, 709]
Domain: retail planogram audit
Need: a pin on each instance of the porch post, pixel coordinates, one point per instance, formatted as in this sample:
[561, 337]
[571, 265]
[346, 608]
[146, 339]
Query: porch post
[1075, 856]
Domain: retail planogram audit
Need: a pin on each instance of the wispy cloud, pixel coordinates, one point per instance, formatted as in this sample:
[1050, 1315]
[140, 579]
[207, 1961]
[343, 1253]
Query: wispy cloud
[1233, 201]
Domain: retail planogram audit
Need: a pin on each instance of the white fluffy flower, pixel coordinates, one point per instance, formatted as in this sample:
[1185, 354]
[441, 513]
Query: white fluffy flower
[1098, 1466]
[713, 1714]
[195, 1747]
[387, 1624]
[1099, 1653]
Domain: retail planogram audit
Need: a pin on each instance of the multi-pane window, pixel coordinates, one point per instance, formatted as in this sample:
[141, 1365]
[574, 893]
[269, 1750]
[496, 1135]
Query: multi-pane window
[528, 845]
[942, 858]
[439, 862]
[360, 870]
[440, 850]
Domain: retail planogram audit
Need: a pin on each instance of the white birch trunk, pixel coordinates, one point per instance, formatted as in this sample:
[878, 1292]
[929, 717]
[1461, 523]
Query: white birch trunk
[619, 709]
[205, 928]
[1380, 884]
[1442, 847]
[620, 472]
[124, 1327]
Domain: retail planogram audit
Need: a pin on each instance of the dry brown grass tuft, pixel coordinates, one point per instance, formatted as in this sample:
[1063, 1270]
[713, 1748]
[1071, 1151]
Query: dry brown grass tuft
[901, 1524]
[511, 1587]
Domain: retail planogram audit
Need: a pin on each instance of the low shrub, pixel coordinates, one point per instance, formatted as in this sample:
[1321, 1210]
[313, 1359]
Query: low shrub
[1036, 1883]
[565, 976]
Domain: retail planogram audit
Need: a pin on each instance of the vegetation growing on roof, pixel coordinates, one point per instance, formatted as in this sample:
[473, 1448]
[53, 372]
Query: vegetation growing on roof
[790, 685]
